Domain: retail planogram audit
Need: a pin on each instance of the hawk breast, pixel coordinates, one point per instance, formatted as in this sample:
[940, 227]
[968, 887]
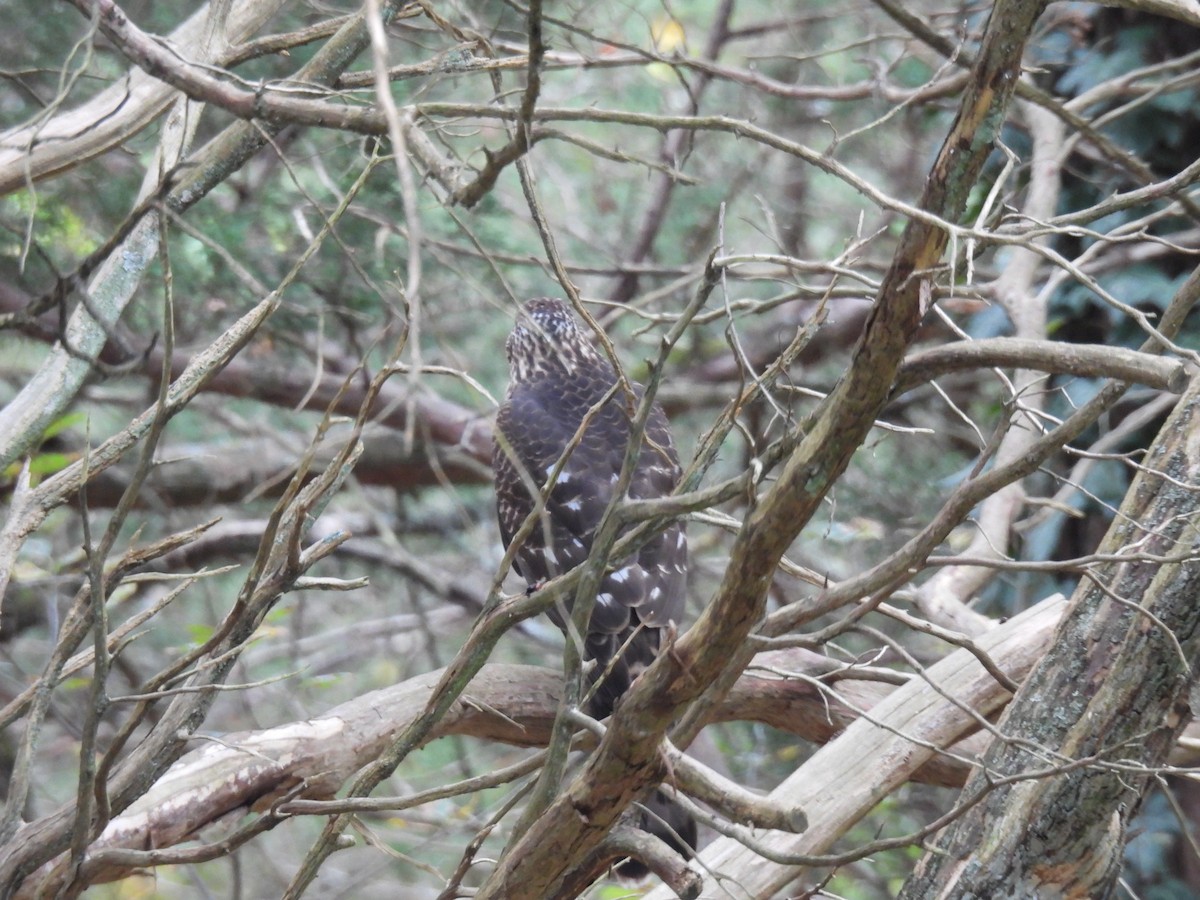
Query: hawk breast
[538, 421]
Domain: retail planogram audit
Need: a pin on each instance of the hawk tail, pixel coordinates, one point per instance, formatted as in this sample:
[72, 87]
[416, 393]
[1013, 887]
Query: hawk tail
[664, 818]
[617, 660]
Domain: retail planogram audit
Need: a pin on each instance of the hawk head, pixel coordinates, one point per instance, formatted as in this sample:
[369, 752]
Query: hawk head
[548, 339]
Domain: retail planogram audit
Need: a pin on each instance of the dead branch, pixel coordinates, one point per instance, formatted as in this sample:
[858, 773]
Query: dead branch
[255, 771]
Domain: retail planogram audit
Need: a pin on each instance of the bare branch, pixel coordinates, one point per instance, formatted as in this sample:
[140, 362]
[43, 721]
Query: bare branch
[43, 148]
[512, 704]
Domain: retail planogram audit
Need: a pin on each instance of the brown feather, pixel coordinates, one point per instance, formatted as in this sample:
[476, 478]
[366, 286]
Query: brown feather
[557, 380]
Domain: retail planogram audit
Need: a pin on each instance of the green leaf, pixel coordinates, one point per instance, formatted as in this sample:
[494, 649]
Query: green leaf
[62, 423]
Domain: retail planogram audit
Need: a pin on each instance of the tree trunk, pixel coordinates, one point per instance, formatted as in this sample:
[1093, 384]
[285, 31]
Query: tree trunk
[1099, 711]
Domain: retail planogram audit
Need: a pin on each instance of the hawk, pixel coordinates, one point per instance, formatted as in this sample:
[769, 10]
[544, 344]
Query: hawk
[557, 381]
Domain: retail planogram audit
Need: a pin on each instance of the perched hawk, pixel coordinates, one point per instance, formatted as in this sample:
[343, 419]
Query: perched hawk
[557, 380]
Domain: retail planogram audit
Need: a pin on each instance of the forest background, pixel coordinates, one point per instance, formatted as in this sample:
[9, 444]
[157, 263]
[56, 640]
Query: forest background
[914, 283]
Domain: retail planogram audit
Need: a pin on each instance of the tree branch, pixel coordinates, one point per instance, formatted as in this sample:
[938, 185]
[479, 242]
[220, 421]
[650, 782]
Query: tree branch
[898, 734]
[1055, 357]
[40, 149]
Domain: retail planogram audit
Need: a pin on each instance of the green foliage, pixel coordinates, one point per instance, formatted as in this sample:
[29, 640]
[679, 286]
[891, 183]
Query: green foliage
[47, 462]
[1103, 62]
[61, 232]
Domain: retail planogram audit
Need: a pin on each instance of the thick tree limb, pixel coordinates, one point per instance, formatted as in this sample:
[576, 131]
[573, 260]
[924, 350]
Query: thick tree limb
[255, 771]
[1119, 673]
[895, 738]
[1083, 360]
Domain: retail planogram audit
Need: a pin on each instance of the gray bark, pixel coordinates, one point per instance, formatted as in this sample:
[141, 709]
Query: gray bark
[1116, 678]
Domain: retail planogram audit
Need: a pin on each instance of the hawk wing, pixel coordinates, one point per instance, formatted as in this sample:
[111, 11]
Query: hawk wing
[537, 422]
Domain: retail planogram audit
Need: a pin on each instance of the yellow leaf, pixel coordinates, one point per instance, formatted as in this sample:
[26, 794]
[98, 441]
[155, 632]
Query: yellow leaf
[787, 753]
[668, 34]
[137, 887]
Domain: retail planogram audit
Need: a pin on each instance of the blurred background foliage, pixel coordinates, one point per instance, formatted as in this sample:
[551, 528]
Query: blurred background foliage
[827, 75]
